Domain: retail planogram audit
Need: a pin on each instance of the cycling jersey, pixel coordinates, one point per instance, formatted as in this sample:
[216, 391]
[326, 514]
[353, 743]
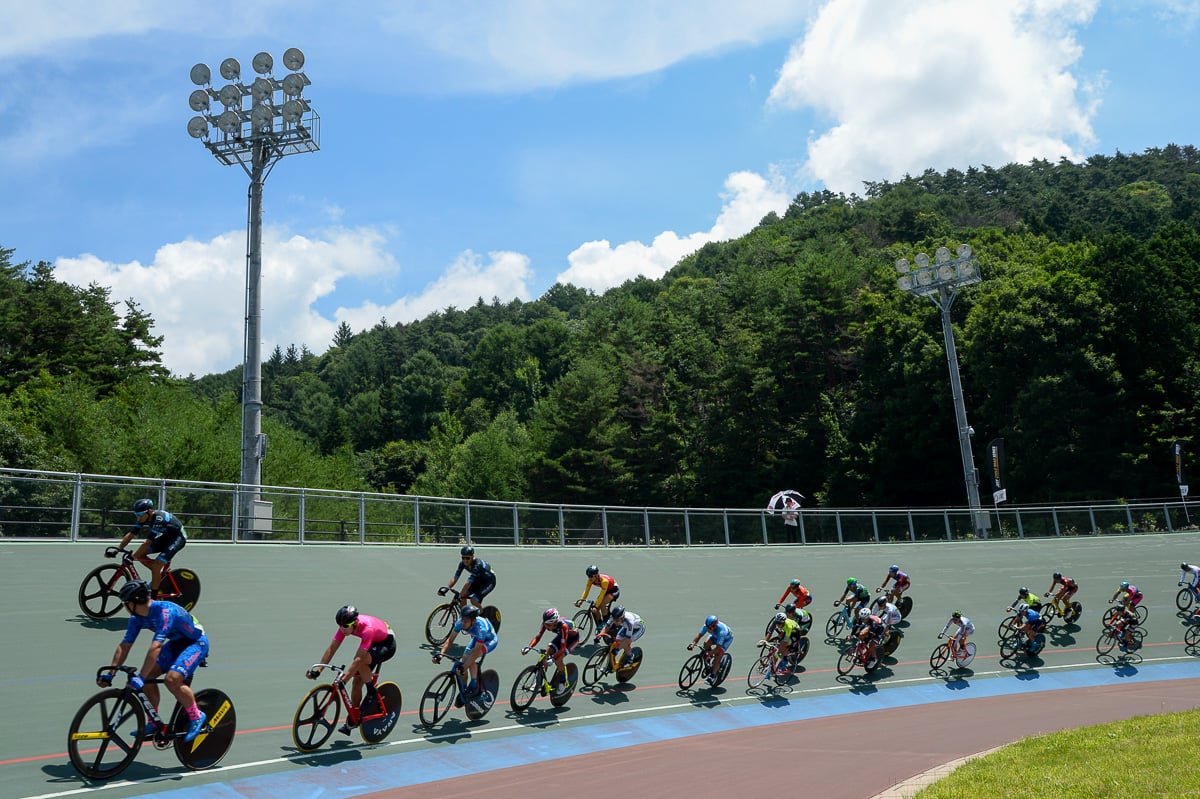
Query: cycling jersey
[1031, 616]
[478, 570]
[891, 614]
[874, 626]
[901, 578]
[1191, 573]
[802, 594]
[858, 592]
[481, 632]
[1065, 581]
[965, 627]
[722, 636]
[564, 631]
[608, 588]
[788, 630]
[630, 626]
[164, 533]
[184, 644]
[370, 629]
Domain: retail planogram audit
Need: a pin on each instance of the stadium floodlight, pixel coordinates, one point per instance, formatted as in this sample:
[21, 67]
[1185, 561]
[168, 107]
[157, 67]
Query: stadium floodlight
[245, 133]
[940, 282]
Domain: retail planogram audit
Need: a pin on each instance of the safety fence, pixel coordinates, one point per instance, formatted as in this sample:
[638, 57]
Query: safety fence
[39, 505]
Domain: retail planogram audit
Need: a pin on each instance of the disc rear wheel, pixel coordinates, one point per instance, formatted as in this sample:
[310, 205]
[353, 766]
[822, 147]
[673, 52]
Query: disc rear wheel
[380, 713]
[209, 747]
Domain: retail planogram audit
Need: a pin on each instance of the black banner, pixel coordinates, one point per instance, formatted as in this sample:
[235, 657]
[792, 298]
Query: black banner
[995, 454]
[1177, 454]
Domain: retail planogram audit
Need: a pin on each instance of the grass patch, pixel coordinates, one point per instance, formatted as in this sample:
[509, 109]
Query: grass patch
[1145, 756]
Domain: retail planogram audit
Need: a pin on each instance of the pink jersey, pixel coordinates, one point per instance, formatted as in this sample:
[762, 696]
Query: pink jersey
[370, 629]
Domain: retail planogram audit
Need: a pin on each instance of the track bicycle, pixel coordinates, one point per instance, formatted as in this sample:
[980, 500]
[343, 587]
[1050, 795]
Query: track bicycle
[449, 689]
[805, 622]
[114, 721]
[1068, 611]
[1191, 638]
[588, 620]
[604, 662]
[771, 664]
[1111, 637]
[441, 618]
[1187, 597]
[533, 681]
[840, 621]
[943, 652]
[1009, 625]
[857, 655]
[1017, 643]
[699, 665]
[99, 593]
[1114, 612]
[317, 716]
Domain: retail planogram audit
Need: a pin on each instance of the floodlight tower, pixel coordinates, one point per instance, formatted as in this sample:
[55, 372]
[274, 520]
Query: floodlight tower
[940, 282]
[260, 124]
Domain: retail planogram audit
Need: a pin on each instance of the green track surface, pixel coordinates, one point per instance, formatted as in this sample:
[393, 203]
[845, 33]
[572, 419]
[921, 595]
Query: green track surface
[268, 610]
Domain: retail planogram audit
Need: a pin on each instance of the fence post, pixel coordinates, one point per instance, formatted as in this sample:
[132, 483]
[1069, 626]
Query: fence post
[233, 519]
[1092, 519]
[912, 530]
[562, 528]
[417, 520]
[1167, 514]
[76, 502]
[604, 524]
[837, 518]
[1054, 515]
[875, 525]
[946, 517]
[516, 527]
[362, 518]
[800, 519]
[467, 520]
[646, 525]
[687, 528]
[1020, 527]
[1129, 518]
[300, 513]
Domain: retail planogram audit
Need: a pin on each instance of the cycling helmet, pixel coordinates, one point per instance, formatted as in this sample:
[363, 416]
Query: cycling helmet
[780, 617]
[893, 569]
[851, 581]
[1124, 584]
[881, 601]
[789, 607]
[864, 613]
[470, 612]
[618, 612]
[346, 615]
[1023, 591]
[1183, 567]
[956, 614]
[710, 621]
[467, 550]
[795, 583]
[143, 506]
[1058, 575]
[135, 591]
[592, 571]
[551, 616]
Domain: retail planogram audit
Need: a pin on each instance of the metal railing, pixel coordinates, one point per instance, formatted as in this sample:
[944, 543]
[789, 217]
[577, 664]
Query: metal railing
[40, 505]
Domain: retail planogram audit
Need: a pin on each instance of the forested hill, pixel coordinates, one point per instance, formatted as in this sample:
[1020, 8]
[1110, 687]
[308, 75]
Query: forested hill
[787, 358]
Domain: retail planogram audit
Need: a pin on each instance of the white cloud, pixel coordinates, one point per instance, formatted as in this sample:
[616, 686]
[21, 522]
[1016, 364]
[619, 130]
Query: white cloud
[597, 265]
[195, 291]
[938, 83]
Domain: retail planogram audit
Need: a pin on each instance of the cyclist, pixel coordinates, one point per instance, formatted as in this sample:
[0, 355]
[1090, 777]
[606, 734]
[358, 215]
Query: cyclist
[483, 640]
[787, 634]
[888, 613]
[1031, 623]
[628, 627]
[378, 646]
[179, 645]
[1026, 599]
[802, 594]
[856, 595]
[1131, 597]
[1191, 575]
[1069, 587]
[164, 537]
[799, 615]
[871, 631]
[609, 590]
[902, 582]
[719, 637]
[1124, 623]
[480, 577]
[566, 638]
[958, 641]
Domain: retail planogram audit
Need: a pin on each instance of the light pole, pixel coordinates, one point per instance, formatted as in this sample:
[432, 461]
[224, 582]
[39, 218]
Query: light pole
[260, 124]
[940, 282]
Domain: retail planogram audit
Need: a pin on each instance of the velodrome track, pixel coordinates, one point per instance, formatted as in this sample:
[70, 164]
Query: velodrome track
[268, 610]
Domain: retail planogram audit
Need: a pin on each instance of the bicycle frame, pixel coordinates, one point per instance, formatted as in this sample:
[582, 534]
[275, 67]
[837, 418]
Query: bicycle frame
[167, 587]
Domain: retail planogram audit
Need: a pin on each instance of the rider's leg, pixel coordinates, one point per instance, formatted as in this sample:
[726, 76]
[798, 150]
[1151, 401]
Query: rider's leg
[470, 666]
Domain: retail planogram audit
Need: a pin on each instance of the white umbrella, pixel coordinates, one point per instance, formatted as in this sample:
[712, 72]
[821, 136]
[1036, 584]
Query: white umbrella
[779, 500]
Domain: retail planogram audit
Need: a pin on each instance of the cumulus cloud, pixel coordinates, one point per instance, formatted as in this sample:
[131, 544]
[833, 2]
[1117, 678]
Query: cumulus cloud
[938, 83]
[748, 197]
[195, 291]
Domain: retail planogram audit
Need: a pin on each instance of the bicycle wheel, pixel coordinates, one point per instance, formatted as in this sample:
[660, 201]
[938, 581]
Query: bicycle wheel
[801, 650]
[1010, 645]
[1143, 613]
[891, 644]
[1110, 615]
[1036, 645]
[438, 698]
[316, 718]
[187, 583]
[596, 667]
[478, 707]
[98, 598]
[1138, 635]
[941, 653]
[1074, 611]
[1192, 636]
[492, 614]
[692, 668]
[1049, 611]
[965, 655]
[904, 605]
[760, 670]
[584, 622]
[440, 622]
[847, 661]
[625, 673]
[1106, 642]
[378, 721]
[209, 747]
[1006, 628]
[115, 720]
[722, 670]
[1183, 600]
[525, 688]
[564, 688]
[835, 625]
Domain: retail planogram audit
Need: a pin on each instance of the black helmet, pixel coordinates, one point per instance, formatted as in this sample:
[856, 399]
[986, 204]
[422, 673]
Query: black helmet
[592, 570]
[956, 614]
[143, 506]
[135, 591]
[790, 607]
[469, 612]
[618, 611]
[1183, 567]
[346, 615]
[467, 550]
[1023, 591]
[1058, 575]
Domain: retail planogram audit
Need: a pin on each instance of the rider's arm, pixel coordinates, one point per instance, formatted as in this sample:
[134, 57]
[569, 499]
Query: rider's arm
[587, 589]
[449, 643]
[151, 656]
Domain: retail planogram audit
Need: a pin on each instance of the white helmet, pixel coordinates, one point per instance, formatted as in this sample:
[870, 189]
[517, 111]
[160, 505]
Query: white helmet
[864, 613]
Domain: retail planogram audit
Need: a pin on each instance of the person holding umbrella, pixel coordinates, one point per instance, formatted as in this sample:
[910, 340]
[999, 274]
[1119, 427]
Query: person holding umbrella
[789, 502]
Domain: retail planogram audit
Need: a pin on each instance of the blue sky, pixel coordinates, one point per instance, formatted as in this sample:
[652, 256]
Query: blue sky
[476, 149]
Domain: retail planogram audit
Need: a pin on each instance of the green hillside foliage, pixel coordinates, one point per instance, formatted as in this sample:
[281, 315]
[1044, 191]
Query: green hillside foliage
[787, 358]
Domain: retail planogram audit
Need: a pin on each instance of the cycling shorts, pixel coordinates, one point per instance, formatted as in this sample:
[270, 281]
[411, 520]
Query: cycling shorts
[481, 587]
[167, 545]
[382, 651]
[182, 655]
[625, 634]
